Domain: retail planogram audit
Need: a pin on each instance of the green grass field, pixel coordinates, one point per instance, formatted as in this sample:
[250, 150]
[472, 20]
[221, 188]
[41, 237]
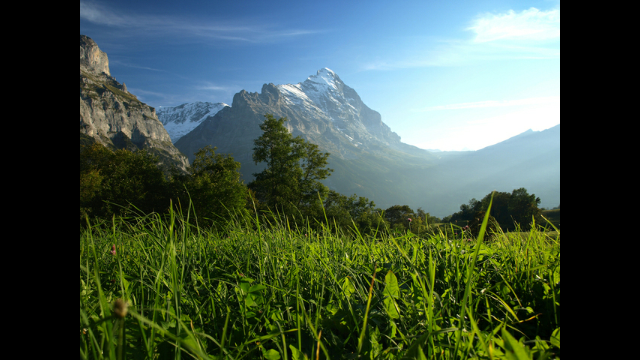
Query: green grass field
[282, 291]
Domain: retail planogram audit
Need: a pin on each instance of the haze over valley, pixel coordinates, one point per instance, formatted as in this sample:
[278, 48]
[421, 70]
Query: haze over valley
[210, 81]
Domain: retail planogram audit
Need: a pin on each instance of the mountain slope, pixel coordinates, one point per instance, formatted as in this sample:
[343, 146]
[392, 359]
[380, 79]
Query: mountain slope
[180, 120]
[112, 116]
[326, 112]
[530, 160]
[368, 158]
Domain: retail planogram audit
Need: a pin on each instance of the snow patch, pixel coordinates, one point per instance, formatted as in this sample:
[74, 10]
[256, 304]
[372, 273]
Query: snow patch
[180, 120]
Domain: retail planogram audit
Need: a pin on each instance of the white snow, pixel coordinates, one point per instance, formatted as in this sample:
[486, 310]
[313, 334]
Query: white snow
[180, 120]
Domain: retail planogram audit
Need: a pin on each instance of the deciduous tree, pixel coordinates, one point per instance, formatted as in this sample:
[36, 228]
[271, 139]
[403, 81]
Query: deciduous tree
[294, 169]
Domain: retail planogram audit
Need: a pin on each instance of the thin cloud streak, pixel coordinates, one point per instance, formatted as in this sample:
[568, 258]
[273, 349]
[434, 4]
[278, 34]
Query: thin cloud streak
[167, 25]
[134, 66]
[214, 87]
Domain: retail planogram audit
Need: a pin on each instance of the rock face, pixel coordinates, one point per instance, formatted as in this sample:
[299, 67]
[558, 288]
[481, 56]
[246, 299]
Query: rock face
[322, 109]
[92, 58]
[365, 153]
[116, 118]
[180, 120]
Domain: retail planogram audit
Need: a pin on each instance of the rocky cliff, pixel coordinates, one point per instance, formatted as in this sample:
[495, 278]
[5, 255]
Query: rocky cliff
[116, 118]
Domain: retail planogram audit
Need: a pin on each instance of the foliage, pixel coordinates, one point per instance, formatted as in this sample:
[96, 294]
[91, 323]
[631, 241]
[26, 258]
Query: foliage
[294, 168]
[476, 223]
[346, 212]
[116, 183]
[509, 210]
[398, 217]
[213, 187]
[122, 182]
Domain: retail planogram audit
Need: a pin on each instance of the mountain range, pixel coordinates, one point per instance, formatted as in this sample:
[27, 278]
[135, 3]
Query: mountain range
[368, 158]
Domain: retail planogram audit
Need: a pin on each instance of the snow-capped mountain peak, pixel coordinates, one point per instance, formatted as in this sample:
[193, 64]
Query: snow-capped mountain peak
[318, 93]
[325, 77]
[180, 120]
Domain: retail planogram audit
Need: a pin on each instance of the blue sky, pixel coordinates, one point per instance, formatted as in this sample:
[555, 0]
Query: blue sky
[444, 75]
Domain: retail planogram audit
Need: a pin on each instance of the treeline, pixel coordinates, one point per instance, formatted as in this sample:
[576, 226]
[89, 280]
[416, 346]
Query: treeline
[124, 183]
[517, 209]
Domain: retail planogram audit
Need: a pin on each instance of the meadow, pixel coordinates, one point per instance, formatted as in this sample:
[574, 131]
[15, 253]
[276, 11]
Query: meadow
[159, 287]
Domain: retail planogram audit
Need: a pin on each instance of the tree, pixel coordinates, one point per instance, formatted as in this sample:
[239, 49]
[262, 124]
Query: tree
[294, 168]
[476, 223]
[523, 207]
[213, 186]
[507, 209]
[313, 170]
[345, 212]
[398, 216]
[499, 209]
[112, 183]
[467, 211]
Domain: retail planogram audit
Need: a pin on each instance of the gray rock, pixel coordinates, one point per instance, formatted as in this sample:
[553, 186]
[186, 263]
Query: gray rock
[92, 59]
[116, 118]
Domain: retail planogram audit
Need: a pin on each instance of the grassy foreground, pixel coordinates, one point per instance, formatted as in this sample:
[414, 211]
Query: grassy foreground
[162, 289]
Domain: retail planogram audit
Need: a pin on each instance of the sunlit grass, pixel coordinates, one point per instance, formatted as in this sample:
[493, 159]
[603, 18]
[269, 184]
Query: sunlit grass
[283, 291]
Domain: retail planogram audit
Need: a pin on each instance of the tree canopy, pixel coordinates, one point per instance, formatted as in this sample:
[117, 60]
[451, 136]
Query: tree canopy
[119, 182]
[112, 183]
[508, 209]
[291, 180]
[213, 186]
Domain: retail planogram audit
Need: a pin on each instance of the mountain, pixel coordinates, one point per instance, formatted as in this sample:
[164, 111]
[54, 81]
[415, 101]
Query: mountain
[530, 159]
[365, 154]
[321, 109]
[370, 159]
[180, 120]
[112, 116]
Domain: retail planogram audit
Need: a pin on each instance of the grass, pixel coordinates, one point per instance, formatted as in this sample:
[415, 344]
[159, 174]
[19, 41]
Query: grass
[282, 291]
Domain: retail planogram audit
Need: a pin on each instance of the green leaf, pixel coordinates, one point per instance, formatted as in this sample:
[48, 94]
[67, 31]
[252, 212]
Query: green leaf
[295, 353]
[515, 350]
[347, 287]
[255, 288]
[271, 354]
[555, 338]
[391, 285]
[391, 291]
[332, 308]
[421, 354]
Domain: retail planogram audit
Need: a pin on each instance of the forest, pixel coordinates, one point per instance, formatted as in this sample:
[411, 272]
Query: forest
[123, 183]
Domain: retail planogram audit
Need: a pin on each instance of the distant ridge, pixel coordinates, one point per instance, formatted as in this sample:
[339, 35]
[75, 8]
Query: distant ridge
[180, 120]
[370, 159]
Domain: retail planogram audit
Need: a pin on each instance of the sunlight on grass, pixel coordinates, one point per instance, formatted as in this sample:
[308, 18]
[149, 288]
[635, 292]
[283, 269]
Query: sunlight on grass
[280, 290]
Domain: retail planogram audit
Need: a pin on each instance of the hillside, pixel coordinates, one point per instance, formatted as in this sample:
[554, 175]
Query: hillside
[370, 159]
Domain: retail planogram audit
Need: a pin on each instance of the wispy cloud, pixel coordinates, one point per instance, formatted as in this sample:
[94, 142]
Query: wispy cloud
[529, 34]
[175, 26]
[531, 24]
[139, 92]
[494, 103]
[207, 86]
[121, 63]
